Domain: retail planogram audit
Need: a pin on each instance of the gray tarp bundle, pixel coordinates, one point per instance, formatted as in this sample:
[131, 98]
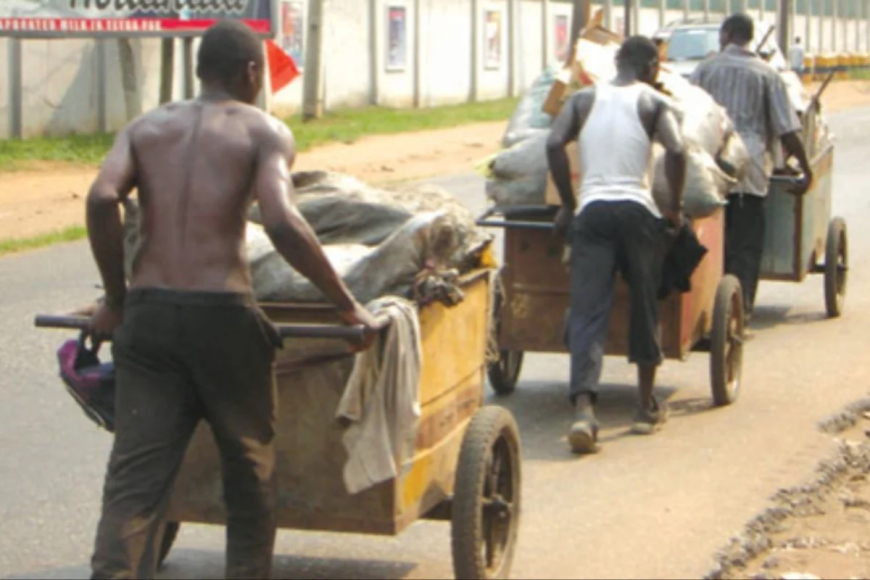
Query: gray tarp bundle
[378, 240]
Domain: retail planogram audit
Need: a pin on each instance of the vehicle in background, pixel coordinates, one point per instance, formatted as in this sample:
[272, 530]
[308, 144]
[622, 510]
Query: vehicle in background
[684, 45]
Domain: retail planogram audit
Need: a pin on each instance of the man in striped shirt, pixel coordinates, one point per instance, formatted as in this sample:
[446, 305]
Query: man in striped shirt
[756, 99]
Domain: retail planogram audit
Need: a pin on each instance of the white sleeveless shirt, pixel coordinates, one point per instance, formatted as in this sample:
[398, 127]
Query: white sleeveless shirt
[614, 149]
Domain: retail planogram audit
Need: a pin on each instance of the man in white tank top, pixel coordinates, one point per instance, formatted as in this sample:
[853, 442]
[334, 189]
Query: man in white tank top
[615, 225]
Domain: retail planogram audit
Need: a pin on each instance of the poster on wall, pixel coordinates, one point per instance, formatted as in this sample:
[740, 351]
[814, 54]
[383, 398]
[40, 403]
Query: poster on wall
[117, 18]
[397, 38]
[492, 23]
[561, 37]
[620, 26]
[292, 37]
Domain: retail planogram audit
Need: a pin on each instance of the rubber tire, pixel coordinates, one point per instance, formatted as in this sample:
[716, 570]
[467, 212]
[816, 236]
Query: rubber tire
[728, 292]
[837, 242]
[488, 426]
[504, 374]
[170, 532]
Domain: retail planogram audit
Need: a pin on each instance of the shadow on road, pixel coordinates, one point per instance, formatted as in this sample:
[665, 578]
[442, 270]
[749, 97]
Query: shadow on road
[544, 415]
[771, 316]
[207, 564]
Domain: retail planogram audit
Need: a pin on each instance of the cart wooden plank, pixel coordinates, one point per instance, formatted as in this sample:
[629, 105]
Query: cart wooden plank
[537, 295]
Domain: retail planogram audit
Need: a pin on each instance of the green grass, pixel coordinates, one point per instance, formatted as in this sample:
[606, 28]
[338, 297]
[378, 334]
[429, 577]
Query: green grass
[70, 234]
[341, 126]
[79, 149]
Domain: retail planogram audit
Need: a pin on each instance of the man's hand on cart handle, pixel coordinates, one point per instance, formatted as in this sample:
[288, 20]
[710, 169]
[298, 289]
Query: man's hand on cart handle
[563, 220]
[359, 316]
[802, 183]
[106, 318]
[672, 217]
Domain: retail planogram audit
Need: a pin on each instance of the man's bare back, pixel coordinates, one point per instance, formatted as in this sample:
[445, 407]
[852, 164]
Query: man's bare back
[196, 162]
[198, 165]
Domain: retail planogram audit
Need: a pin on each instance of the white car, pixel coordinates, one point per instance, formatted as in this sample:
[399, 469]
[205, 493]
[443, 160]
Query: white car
[688, 44]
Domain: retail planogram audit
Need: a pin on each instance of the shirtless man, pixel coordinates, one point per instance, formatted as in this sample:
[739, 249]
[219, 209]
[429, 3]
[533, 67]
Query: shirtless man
[617, 226]
[188, 340]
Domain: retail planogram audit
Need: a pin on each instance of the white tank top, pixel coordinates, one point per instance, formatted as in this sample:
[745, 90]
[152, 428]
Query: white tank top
[614, 149]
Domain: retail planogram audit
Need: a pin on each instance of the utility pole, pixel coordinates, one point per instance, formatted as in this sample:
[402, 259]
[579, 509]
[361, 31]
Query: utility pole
[187, 45]
[312, 94]
[809, 28]
[546, 35]
[783, 27]
[167, 69]
[132, 102]
[102, 96]
[16, 121]
[513, 50]
[579, 14]
[476, 37]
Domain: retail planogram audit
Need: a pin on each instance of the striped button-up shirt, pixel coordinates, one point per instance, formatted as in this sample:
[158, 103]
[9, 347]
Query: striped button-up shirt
[756, 99]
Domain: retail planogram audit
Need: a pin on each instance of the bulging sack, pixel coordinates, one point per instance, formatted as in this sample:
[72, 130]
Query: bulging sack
[529, 116]
[378, 240]
[519, 174]
[706, 185]
[370, 272]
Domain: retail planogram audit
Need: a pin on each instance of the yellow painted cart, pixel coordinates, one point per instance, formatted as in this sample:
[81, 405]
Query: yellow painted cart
[466, 467]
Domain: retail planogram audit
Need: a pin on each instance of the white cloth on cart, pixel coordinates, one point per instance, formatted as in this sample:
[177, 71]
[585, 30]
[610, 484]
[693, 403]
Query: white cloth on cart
[381, 399]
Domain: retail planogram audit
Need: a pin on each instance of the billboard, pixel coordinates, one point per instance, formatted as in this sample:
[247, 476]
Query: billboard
[102, 18]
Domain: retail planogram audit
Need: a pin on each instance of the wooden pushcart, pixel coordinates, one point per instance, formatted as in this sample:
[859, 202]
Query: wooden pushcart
[465, 469]
[531, 309]
[801, 238]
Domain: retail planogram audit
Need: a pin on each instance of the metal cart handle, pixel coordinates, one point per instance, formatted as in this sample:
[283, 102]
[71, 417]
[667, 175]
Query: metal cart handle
[486, 221]
[330, 331]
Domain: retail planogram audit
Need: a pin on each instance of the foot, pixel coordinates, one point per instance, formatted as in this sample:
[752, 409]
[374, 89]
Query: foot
[648, 420]
[583, 435]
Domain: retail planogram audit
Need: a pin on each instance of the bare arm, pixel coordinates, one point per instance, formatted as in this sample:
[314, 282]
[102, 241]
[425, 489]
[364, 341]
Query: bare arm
[116, 179]
[290, 233]
[566, 128]
[667, 132]
[785, 122]
[794, 146]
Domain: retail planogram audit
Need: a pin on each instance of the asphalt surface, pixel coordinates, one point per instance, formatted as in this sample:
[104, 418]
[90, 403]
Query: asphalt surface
[658, 506]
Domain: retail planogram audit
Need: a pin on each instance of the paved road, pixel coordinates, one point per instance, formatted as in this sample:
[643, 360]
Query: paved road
[645, 507]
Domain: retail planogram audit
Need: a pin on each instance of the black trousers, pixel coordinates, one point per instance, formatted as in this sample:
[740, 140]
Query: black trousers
[744, 243]
[606, 237]
[181, 357]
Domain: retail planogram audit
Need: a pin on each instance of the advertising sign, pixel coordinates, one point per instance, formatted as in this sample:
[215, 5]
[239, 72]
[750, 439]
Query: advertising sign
[492, 38]
[102, 18]
[292, 38]
[397, 34]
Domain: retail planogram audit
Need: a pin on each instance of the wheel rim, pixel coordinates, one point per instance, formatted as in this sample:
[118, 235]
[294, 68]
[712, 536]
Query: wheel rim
[499, 506]
[734, 346]
[842, 270]
[509, 364]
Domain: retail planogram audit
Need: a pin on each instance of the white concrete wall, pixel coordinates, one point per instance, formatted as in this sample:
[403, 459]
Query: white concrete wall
[60, 76]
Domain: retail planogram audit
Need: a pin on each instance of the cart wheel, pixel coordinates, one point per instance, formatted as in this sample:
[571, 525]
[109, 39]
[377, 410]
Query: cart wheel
[170, 532]
[726, 348]
[836, 267]
[504, 374]
[486, 500]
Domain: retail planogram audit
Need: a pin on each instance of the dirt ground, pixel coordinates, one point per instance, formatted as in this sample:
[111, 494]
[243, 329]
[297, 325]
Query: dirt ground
[818, 530]
[49, 197]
